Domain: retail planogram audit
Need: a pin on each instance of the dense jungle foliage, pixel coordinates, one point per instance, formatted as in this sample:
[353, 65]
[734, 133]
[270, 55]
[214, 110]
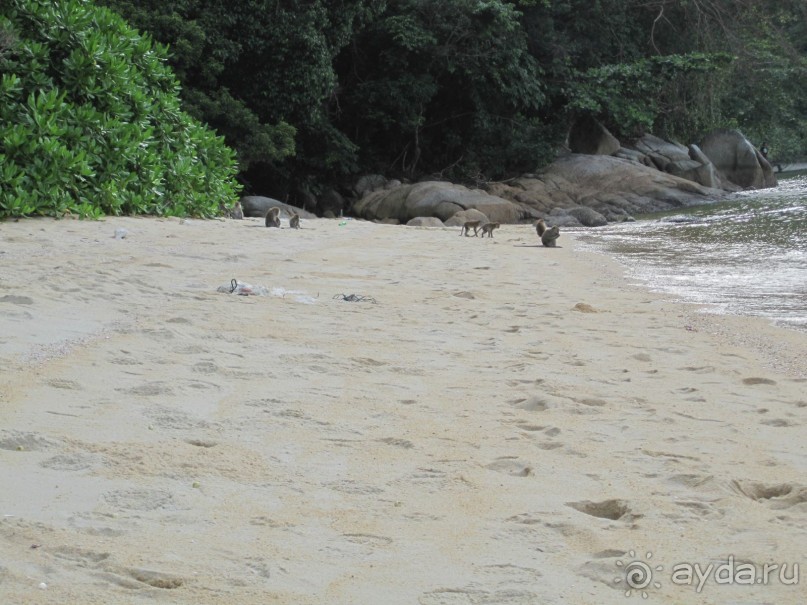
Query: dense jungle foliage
[91, 124]
[311, 94]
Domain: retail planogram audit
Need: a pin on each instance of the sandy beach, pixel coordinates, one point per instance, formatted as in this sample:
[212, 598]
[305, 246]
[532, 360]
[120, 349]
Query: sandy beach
[493, 422]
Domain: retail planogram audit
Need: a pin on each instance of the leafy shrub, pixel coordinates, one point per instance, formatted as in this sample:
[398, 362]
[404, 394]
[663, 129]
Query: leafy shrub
[90, 120]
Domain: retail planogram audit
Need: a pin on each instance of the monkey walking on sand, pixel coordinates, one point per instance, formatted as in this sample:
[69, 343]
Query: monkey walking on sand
[468, 225]
[273, 217]
[489, 228]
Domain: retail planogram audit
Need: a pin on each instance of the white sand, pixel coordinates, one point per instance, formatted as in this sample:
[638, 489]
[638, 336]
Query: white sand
[470, 437]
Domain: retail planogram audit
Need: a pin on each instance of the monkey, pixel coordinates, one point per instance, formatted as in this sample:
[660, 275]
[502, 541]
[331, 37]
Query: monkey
[489, 228]
[294, 221]
[273, 217]
[540, 227]
[237, 212]
[550, 236]
[468, 225]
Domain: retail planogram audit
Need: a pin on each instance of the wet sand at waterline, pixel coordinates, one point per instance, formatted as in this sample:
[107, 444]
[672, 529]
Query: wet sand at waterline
[497, 422]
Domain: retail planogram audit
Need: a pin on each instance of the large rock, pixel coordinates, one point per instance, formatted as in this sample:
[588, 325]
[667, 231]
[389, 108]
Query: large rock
[587, 135]
[368, 183]
[634, 156]
[425, 221]
[612, 186]
[257, 205]
[693, 170]
[438, 199]
[737, 159]
[588, 217]
[659, 151]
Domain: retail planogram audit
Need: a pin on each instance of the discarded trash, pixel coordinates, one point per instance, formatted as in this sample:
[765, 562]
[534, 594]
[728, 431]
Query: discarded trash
[296, 294]
[342, 223]
[121, 233]
[356, 298]
[243, 289]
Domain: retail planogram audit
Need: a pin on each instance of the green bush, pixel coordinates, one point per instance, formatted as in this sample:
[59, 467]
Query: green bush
[90, 121]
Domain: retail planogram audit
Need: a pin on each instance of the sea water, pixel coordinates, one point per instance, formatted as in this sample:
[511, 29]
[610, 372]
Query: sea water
[744, 255]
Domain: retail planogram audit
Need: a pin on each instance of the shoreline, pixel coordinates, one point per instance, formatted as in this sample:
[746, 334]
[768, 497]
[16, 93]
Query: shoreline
[780, 347]
[497, 422]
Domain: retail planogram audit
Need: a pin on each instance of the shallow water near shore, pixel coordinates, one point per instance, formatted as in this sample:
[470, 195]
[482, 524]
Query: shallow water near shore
[746, 255]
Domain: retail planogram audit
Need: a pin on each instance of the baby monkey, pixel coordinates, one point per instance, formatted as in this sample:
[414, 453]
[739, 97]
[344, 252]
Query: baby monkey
[294, 221]
[489, 228]
[540, 227]
[468, 225]
[273, 217]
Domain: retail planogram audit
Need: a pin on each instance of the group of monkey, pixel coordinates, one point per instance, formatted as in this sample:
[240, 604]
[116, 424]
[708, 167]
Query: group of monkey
[272, 216]
[548, 235]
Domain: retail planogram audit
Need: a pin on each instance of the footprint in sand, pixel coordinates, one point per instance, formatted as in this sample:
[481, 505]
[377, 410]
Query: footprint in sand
[404, 443]
[16, 300]
[591, 401]
[355, 488]
[201, 443]
[368, 539]
[775, 495]
[132, 578]
[470, 596]
[778, 422]
[511, 465]
[205, 367]
[171, 418]
[533, 404]
[699, 369]
[71, 462]
[137, 499]
[698, 510]
[584, 308]
[24, 442]
[149, 389]
[135, 578]
[756, 380]
[62, 383]
[613, 510]
[81, 556]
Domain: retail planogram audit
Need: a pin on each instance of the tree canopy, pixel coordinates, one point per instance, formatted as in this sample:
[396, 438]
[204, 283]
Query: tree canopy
[311, 94]
[90, 120]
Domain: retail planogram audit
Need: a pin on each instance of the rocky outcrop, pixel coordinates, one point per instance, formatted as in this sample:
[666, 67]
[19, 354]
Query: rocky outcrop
[658, 151]
[735, 157]
[438, 199]
[587, 217]
[724, 160]
[615, 187]
[608, 182]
